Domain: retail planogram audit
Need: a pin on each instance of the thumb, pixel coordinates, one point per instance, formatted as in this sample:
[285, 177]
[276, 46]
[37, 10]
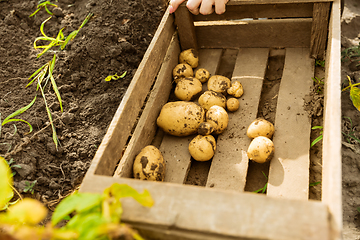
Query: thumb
[174, 4]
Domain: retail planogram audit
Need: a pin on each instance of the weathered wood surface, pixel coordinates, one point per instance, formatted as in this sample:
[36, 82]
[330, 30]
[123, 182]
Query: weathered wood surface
[146, 127]
[183, 209]
[331, 174]
[319, 30]
[230, 163]
[185, 27]
[275, 33]
[110, 150]
[240, 2]
[289, 168]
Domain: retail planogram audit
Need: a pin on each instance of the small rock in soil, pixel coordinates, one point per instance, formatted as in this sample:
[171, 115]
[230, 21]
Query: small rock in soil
[25, 169]
[58, 12]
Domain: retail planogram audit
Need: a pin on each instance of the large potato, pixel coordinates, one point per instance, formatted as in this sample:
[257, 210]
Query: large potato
[188, 89]
[149, 164]
[181, 118]
[260, 127]
[261, 149]
[218, 117]
[218, 83]
[211, 98]
[189, 56]
[202, 148]
[182, 71]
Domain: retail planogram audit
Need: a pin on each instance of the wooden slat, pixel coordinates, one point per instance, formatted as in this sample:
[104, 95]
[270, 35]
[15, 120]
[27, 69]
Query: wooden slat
[230, 163]
[293, 10]
[113, 143]
[185, 26]
[243, 2]
[146, 127]
[183, 210]
[331, 174]
[259, 33]
[289, 168]
[175, 149]
[319, 30]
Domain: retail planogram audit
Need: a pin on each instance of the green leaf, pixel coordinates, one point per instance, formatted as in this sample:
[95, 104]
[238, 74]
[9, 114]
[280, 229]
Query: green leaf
[314, 184]
[6, 191]
[318, 139]
[355, 97]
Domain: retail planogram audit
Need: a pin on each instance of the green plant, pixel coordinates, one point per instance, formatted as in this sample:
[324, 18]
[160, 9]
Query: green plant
[114, 77]
[351, 134]
[314, 184]
[319, 138]
[351, 54]
[263, 189]
[89, 216]
[320, 84]
[30, 186]
[43, 4]
[12, 166]
[354, 93]
[320, 63]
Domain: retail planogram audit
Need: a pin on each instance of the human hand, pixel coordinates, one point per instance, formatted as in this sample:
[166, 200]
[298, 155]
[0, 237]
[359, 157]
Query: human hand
[203, 7]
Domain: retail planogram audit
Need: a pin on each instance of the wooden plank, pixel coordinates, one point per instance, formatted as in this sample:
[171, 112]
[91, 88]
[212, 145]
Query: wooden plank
[319, 30]
[110, 150]
[185, 26]
[183, 210]
[175, 149]
[331, 174]
[243, 2]
[289, 168]
[146, 127]
[230, 163]
[292, 10]
[260, 33]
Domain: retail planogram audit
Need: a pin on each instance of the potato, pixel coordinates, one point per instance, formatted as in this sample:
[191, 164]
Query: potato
[182, 71]
[232, 104]
[181, 118]
[211, 98]
[189, 56]
[218, 117]
[205, 128]
[236, 89]
[149, 164]
[202, 148]
[261, 149]
[188, 89]
[202, 74]
[218, 83]
[260, 127]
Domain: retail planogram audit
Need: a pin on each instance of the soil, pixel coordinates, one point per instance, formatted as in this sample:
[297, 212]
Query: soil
[112, 42]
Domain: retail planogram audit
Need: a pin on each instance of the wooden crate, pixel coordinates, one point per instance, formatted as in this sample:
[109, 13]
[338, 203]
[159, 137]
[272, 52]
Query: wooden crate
[303, 30]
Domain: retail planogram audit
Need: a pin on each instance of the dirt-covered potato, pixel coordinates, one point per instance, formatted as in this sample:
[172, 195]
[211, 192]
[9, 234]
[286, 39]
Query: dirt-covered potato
[260, 127]
[188, 89]
[261, 149]
[218, 83]
[189, 56]
[202, 148]
[181, 118]
[232, 104]
[211, 98]
[202, 74]
[149, 164]
[218, 117]
[236, 89]
[205, 128]
[182, 70]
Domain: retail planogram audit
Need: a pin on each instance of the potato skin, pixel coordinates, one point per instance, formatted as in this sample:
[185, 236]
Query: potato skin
[189, 56]
[218, 83]
[188, 89]
[260, 127]
[205, 128]
[182, 70]
[236, 89]
[261, 149]
[202, 148]
[232, 104]
[218, 117]
[202, 74]
[149, 165]
[180, 118]
[211, 98]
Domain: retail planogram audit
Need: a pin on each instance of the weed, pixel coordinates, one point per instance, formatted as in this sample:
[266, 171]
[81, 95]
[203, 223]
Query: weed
[320, 84]
[351, 54]
[12, 166]
[319, 138]
[263, 189]
[314, 184]
[320, 63]
[43, 4]
[30, 186]
[114, 77]
[351, 134]
[354, 93]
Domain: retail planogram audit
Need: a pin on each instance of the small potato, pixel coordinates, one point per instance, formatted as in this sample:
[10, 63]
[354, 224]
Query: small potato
[218, 117]
[202, 148]
[232, 104]
[180, 118]
[188, 89]
[205, 128]
[202, 74]
[261, 149]
[236, 89]
[218, 83]
[211, 98]
[189, 56]
[260, 127]
[149, 164]
[182, 71]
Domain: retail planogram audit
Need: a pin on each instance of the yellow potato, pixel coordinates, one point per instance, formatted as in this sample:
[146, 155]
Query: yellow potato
[205, 128]
[232, 104]
[149, 164]
[236, 89]
[202, 148]
[188, 89]
[182, 71]
[202, 74]
[260, 127]
[211, 98]
[218, 117]
[218, 83]
[261, 149]
[189, 56]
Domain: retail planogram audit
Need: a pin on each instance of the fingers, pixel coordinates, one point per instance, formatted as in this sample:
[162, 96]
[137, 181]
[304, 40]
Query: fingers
[206, 7]
[220, 6]
[193, 6]
[174, 4]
